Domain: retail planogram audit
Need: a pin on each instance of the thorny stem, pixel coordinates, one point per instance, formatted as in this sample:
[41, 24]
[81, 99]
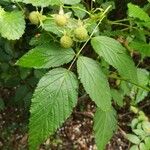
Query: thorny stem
[77, 55]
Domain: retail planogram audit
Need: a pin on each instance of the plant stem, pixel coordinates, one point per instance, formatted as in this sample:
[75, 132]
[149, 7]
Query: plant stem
[117, 23]
[122, 131]
[122, 24]
[91, 4]
[19, 6]
[136, 84]
[103, 16]
[121, 20]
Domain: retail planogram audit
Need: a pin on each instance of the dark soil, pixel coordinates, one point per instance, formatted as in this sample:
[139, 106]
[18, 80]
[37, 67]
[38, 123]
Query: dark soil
[76, 133]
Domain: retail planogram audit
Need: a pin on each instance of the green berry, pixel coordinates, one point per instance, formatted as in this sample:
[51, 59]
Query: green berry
[61, 20]
[81, 33]
[134, 109]
[141, 113]
[34, 17]
[66, 41]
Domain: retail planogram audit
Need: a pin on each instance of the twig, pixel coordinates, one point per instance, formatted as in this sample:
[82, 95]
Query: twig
[86, 114]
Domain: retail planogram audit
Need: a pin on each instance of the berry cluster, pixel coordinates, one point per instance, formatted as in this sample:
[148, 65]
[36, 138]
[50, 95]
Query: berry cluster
[71, 34]
[79, 33]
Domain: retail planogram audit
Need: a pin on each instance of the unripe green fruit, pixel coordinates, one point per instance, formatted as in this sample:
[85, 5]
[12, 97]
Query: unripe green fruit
[81, 33]
[66, 41]
[134, 109]
[61, 20]
[34, 17]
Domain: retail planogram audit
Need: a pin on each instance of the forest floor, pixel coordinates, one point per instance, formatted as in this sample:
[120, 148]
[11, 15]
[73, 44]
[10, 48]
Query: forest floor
[75, 134]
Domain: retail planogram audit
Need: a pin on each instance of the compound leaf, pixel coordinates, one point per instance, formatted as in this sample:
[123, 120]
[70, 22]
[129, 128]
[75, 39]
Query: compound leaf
[137, 12]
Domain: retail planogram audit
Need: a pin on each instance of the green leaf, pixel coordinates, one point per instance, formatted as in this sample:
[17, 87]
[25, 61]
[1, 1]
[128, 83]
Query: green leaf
[137, 12]
[142, 146]
[42, 3]
[108, 3]
[139, 132]
[91, 25]
[125, 87]
[114, 53]
[146, 126]
[70, 2]
[41, 39]
[99, 1]
[12, 25]
[141, 47]
[45, 3]
[117, 97]
[79, 13]
[134, 123]
[143, 24]
[94, 81]
[52, 103]
[134, 147]
[105, 124]
[143, 78]
[46, 56]
[147, 142]
[133, 138]
[50, 26]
